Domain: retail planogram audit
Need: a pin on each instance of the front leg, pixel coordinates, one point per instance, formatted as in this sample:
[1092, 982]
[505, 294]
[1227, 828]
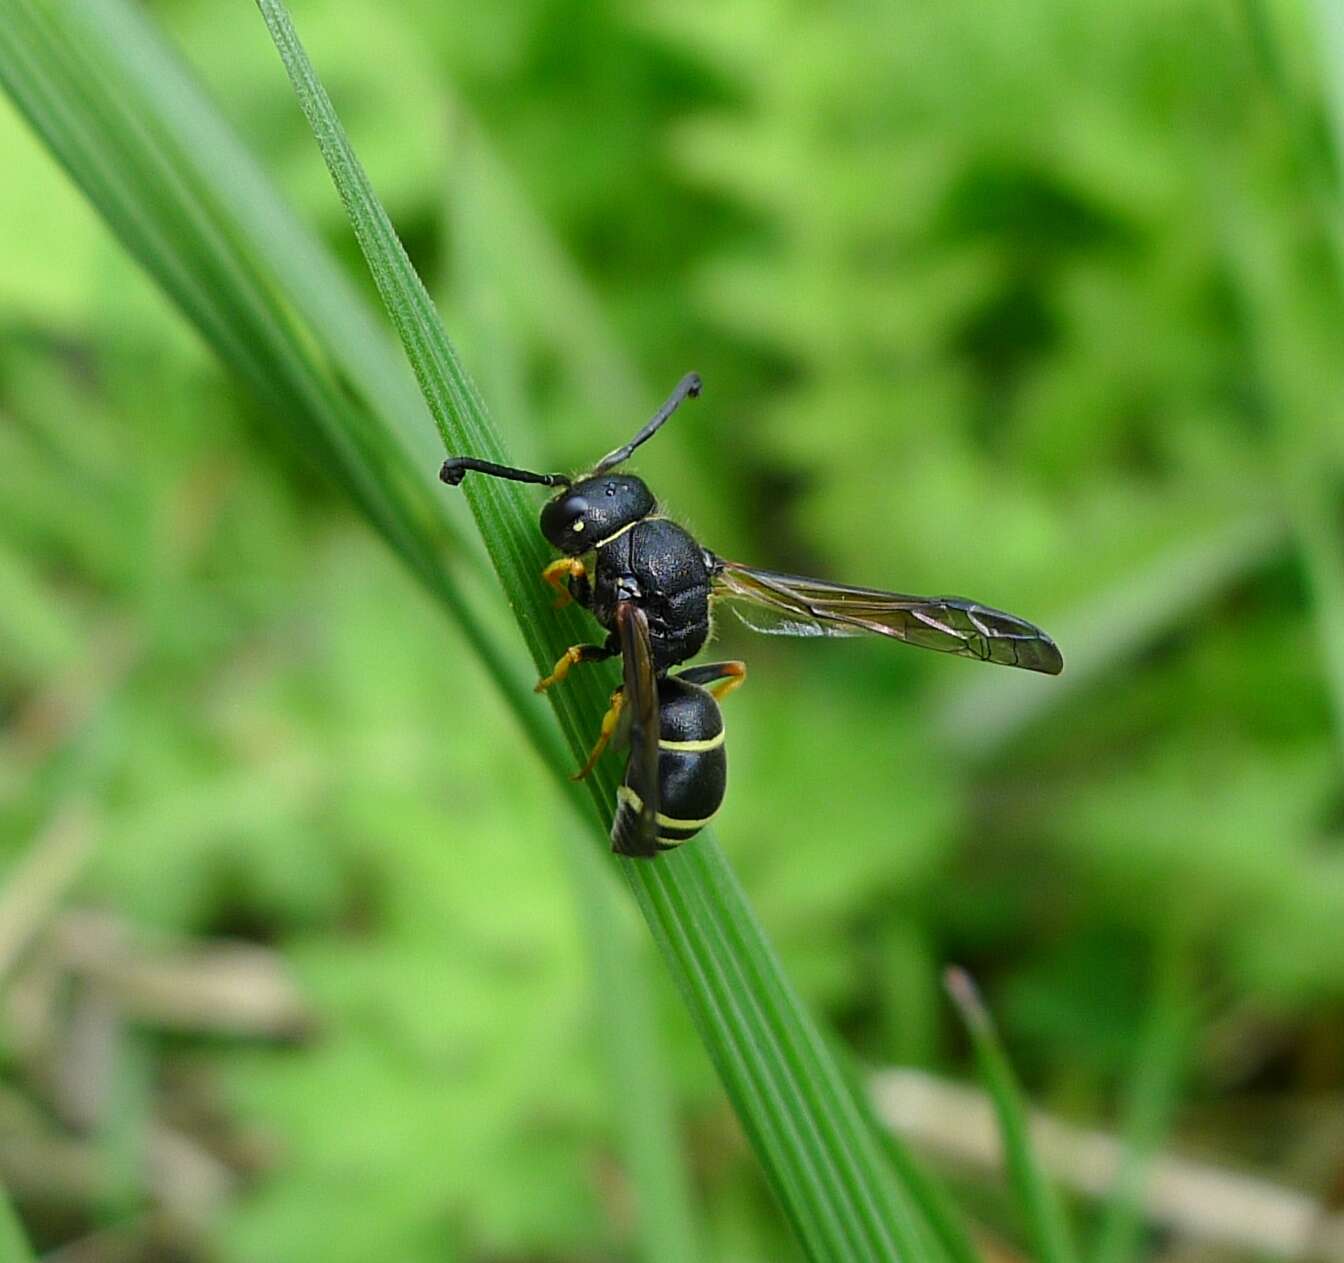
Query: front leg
[569, 578]
[571, 658]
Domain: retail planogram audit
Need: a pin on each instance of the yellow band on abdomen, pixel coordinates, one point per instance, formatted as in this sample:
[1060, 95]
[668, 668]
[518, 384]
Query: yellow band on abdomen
[693, 747]
[632, 800]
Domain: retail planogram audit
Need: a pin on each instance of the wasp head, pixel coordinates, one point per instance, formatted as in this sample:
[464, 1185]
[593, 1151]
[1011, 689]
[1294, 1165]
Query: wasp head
[593, 510]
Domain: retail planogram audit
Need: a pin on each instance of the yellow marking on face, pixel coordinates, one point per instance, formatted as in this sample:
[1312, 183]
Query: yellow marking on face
[578, 526]
[693, 747]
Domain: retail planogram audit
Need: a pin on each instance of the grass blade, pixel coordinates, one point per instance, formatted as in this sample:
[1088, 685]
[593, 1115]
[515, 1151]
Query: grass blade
[644, 1120]
[947, 1235]
[821, 1158]
[194, 230]
[642, 1110]
[202, 175]
[14, 1247]
[1043, 1215]
[339, 319]
[1152, 1098]
[945, 1224]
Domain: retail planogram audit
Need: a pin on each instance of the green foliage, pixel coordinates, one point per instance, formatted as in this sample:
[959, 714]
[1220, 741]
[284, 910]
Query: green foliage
[1036, 303]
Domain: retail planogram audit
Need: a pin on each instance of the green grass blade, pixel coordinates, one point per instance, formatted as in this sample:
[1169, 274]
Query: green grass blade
[236, 194]
[337, 316]
[945, 1226]
[641, 1093]
[1153, 1094]
[14, 1247]
[181, 142]
[111, 123]
[1042, 1213]
[1316, 180]
[642, 1110]
[821, 1158]
[947, 1235]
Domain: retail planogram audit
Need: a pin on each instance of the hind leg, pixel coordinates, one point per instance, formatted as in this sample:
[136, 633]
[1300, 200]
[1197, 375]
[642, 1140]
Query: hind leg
[609, 722]
[720, 678]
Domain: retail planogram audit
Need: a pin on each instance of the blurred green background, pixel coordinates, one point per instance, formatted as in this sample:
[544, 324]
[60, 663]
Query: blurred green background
[1039, 303]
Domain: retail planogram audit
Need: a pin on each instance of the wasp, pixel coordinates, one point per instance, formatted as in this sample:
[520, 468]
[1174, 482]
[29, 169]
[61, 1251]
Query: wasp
[651, 585]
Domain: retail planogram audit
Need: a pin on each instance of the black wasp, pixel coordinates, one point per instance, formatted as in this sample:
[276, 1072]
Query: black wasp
[651, 586]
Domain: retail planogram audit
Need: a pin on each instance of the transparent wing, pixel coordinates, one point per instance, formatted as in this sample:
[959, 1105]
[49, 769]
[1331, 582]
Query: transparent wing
[634, 828]
[791, 605]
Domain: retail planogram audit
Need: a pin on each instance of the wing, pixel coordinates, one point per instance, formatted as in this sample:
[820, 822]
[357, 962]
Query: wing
[634, 829]
[790, 605]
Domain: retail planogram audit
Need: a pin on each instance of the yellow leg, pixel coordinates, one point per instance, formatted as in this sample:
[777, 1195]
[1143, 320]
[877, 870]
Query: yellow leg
[559, 573]
[561, 669]
[735, 676]
[609, 722]
[570, 658]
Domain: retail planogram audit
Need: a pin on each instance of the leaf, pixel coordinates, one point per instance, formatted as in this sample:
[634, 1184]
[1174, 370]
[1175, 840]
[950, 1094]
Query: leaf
[113, 102]
[1037, 1200]
[821, 1158]
[1158, 1068]
[14, 1245]
[642, 1108]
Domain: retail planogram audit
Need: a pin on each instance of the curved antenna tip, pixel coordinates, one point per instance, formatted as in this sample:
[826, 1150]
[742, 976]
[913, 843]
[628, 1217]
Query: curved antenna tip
[687, 388]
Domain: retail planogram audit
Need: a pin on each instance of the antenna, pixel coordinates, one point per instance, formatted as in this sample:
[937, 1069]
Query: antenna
[455, 469]
[687, 388]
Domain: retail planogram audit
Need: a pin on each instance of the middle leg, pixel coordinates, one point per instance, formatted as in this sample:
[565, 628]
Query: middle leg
[571, 658]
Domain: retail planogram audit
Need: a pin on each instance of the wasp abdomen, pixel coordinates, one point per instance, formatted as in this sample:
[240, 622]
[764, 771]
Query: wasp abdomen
[692, 765]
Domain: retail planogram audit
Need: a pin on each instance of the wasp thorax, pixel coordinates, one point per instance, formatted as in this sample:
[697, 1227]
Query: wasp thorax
[590, 512]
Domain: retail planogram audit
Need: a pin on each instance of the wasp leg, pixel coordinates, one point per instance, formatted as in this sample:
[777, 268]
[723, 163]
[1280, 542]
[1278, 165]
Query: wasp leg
[569, 578]
[720, 678]
[609, 722]
[571, 657]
